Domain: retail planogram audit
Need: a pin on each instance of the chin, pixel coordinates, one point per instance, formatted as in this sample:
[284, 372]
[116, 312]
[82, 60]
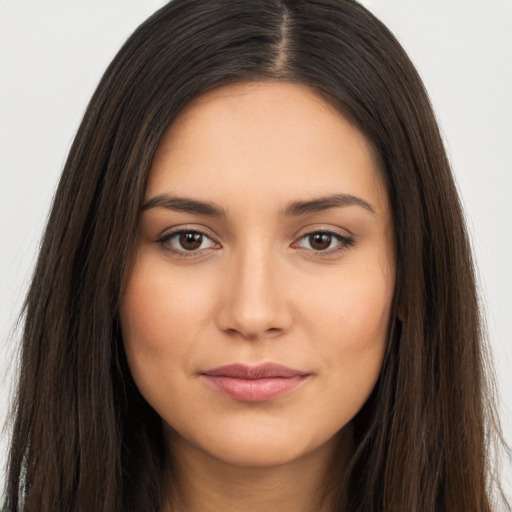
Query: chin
[258, 448]
[257, 453]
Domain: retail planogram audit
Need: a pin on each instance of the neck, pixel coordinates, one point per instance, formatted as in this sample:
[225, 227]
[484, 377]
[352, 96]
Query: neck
[200, 483]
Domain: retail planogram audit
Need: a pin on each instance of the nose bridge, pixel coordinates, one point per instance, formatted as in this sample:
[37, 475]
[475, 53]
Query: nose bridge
[254, 300]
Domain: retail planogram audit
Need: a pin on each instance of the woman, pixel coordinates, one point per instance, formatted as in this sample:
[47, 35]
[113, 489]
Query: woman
[255, 290]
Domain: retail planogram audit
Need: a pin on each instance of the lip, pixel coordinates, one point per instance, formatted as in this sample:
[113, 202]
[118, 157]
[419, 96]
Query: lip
[259, 383]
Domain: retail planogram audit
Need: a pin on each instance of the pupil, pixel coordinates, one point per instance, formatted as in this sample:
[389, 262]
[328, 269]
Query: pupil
[191, 241]
[320, 241]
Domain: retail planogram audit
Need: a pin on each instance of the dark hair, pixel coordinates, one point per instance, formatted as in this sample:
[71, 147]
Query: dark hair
[83, 437]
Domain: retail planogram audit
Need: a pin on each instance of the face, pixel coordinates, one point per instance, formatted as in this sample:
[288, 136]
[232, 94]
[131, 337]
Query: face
[256, 312]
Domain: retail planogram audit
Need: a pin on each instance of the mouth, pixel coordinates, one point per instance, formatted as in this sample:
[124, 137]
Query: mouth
[259, 383]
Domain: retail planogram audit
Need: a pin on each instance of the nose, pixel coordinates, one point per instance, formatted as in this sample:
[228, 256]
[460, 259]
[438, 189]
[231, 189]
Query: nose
[254, 300]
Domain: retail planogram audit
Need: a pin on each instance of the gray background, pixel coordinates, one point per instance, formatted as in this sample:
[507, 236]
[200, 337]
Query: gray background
[53, 53]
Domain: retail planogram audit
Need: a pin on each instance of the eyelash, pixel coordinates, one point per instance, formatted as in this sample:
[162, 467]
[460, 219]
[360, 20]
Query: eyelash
[182, 253]
[344, 241]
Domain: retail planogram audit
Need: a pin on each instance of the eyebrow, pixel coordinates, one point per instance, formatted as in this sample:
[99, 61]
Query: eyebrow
[297, 208]
[184, 204]
[293, 209]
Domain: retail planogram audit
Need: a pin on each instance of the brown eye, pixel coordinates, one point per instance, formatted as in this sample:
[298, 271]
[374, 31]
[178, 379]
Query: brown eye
[320, 241]
[186, 243]
[191, 241]
[324, 242]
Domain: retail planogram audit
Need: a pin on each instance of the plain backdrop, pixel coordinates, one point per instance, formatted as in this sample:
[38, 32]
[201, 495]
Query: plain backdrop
[53, 52]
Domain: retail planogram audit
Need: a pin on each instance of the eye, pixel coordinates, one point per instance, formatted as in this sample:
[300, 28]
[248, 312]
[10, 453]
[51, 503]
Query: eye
[186, 241]
[324, 241]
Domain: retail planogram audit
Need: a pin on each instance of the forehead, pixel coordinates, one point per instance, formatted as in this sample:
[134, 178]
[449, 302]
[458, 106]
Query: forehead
[260, 140]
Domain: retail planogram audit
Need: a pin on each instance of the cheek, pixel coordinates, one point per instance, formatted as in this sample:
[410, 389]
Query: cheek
[355, 308]
[350, 324]
[161, 317]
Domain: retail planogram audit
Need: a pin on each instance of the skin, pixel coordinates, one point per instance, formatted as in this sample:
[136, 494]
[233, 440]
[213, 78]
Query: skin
[258, 288]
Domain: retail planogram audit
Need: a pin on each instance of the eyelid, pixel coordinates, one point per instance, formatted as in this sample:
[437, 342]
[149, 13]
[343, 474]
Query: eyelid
[345, 240]
[321, 227]
[342, 236]
[170, 233]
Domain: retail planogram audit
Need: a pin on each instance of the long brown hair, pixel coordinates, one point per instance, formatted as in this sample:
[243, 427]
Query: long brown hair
[83, 438]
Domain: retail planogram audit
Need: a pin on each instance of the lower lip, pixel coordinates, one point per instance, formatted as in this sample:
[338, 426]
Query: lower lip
[254, 390]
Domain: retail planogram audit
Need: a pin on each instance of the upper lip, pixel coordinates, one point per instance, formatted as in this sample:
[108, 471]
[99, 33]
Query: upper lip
[260, 371]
